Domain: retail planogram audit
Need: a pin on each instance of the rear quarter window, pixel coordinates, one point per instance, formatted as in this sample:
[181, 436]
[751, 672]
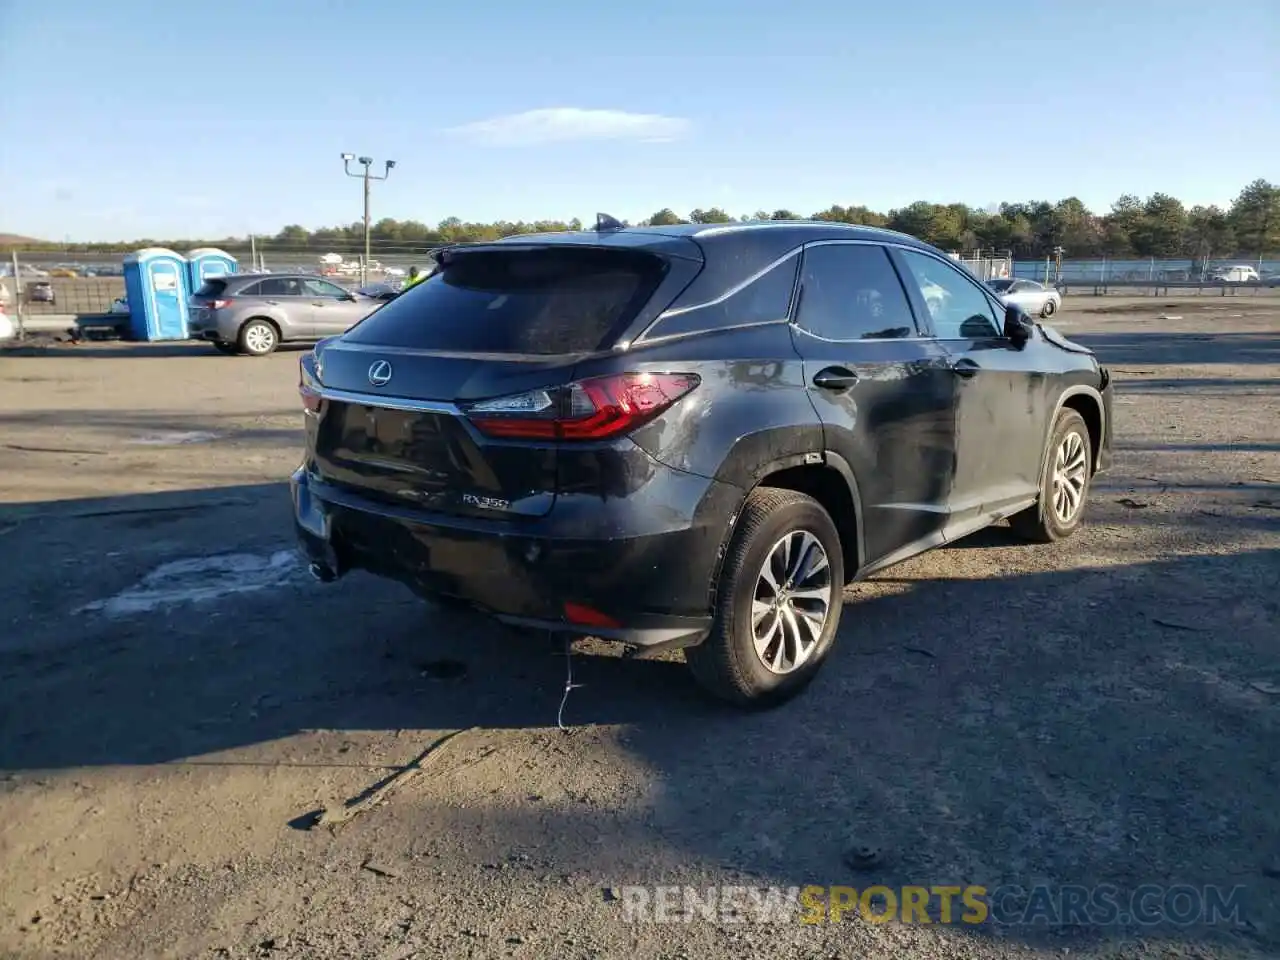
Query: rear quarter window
[765, 299]
[543, 302]
[211, 288]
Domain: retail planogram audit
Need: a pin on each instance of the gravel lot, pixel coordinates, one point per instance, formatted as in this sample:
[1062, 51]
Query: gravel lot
[178, 700]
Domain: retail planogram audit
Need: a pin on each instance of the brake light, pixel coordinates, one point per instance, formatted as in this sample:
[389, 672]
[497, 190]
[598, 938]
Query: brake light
[594, 409]
[220, 304]
[584, 616]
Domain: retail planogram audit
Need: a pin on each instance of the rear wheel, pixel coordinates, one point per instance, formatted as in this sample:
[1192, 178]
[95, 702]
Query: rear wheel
[258, 338]
[778, 603]
[1064, 486]
[1049, 309]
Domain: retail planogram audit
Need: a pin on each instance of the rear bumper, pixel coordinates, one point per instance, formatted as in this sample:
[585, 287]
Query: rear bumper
[648, 591]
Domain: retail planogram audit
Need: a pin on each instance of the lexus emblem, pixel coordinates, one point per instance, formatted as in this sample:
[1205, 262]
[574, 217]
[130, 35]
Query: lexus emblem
[380, 373]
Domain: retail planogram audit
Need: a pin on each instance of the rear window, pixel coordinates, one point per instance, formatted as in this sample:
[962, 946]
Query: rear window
[211, 288]
[562, 300]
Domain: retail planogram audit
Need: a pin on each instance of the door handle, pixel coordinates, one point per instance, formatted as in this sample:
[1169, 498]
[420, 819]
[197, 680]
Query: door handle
[965, 368]
[315, 303]
[835, 378]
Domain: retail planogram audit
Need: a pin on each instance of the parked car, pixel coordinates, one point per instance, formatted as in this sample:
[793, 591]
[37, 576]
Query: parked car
[7, 331]
[253, 313]
[1239, 273]
[41, 291]
[1032, 298]
[690, 436]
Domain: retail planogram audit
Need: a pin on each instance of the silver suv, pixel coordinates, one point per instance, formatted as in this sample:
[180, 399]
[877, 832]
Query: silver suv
[254, 313]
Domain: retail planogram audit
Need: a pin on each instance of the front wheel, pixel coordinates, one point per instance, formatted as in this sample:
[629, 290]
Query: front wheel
[1064, 486]
[1049, 309]
[778, 604]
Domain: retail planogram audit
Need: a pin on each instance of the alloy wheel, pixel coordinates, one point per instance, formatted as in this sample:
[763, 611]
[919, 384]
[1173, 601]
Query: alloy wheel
[1070, 474]
[259, 338]
[791, 603]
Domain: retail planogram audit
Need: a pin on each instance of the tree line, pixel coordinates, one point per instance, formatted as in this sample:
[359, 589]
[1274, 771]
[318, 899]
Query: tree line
[1158, 226]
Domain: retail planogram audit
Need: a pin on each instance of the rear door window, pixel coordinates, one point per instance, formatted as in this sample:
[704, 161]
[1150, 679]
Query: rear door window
[280, 287]
[852, 292]
[543, 301]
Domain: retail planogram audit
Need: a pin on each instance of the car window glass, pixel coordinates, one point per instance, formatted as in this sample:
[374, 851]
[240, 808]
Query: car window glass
[545, 302]
[959, 310]
[252, 290]
[766, 298]
[852, 292]
[321, 288]
[279, 287]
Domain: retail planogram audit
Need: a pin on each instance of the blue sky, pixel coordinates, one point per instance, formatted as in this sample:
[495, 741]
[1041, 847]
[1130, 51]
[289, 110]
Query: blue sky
[126, 118]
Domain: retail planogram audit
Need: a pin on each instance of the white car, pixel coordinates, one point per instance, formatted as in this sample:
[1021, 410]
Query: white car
[1238, 273]
[6, 325]
[1033, 299]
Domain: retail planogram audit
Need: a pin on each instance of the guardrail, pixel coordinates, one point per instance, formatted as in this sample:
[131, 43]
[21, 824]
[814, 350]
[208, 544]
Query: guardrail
[1162, 287]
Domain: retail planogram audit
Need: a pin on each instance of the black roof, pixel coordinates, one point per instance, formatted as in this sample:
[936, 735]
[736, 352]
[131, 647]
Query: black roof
[782, 233]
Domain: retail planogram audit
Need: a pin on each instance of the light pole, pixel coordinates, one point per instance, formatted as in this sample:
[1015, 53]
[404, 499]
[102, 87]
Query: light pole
[366, 174]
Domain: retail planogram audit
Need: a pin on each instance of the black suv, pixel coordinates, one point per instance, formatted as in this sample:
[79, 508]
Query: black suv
[689, 436]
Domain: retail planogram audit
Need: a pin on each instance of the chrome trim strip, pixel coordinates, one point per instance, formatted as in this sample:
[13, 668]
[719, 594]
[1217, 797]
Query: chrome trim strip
[913, 337]
[702, 333]
[391, 403]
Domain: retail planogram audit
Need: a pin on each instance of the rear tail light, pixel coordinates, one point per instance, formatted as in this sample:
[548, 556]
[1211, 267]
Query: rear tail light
[594, 409]
[220, 304]
[584, 616]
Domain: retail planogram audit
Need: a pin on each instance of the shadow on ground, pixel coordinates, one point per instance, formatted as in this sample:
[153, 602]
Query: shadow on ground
[1075, 726]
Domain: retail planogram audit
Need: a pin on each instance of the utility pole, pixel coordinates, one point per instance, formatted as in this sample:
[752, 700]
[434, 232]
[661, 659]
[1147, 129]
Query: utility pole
[366, 174]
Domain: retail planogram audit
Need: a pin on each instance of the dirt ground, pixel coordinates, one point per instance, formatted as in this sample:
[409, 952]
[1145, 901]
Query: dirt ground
[178, 701]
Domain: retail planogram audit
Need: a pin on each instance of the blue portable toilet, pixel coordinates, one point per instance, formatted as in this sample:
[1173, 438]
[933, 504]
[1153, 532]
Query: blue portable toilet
[155, 281]
[206, 262]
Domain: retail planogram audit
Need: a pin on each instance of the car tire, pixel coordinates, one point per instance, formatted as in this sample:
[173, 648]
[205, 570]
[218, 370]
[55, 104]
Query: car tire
[775, 526]
[1069, 463]
[258, 338]
[230, 349]
[1049, 309]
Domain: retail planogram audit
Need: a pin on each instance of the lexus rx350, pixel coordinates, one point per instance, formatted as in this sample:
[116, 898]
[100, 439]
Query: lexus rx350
[689, 436]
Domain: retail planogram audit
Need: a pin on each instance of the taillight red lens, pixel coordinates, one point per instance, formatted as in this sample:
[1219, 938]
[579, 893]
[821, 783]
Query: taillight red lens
[594, 409]
[585, 616]
[219, 304]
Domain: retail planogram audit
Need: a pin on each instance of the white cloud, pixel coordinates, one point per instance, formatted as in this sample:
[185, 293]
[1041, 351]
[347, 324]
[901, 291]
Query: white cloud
[564, 124]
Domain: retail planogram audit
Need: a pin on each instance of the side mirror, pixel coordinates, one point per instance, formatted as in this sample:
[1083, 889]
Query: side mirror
[1017, 325]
